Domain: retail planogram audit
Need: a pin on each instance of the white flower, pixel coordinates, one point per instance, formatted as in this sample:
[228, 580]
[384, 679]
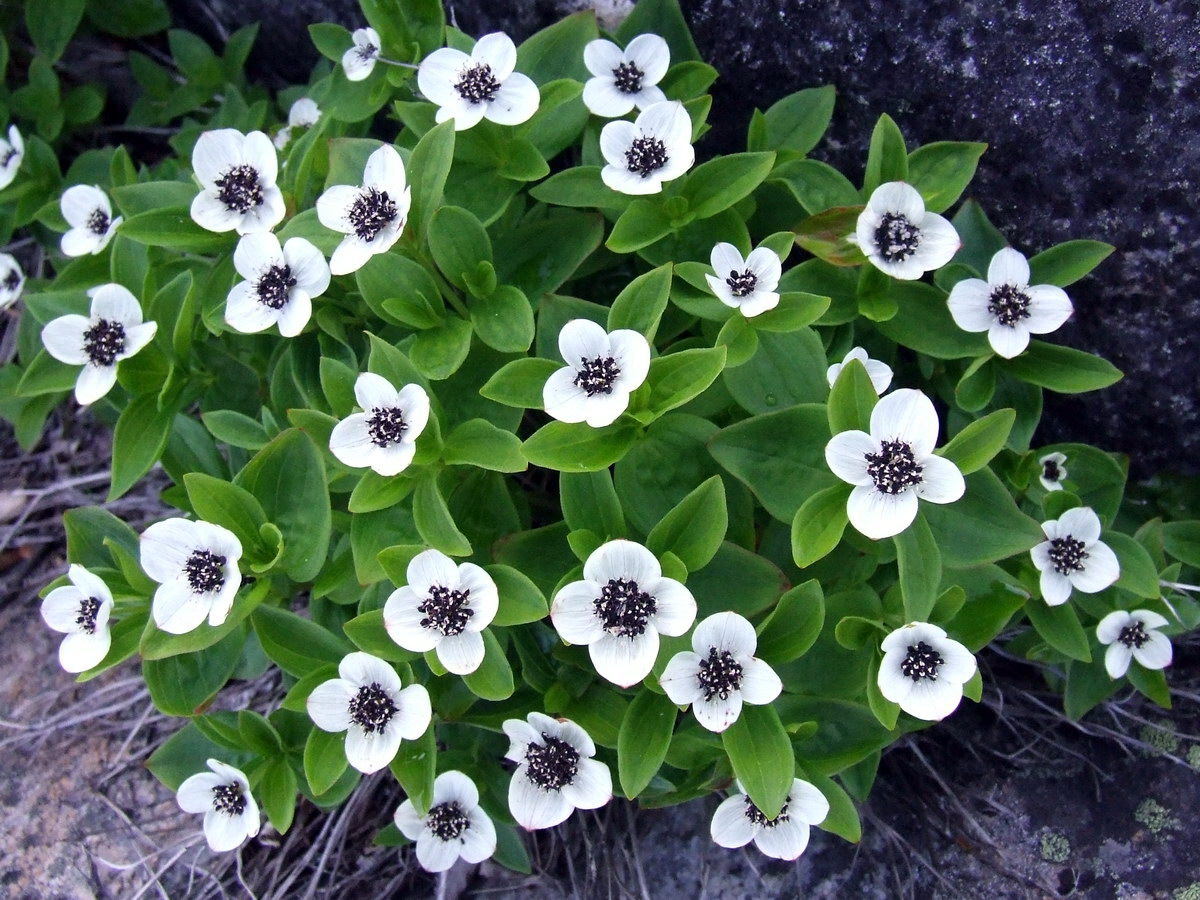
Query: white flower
[1007, 306]
[280, 284]
[112, 332]
[12, 281]
[12, 152]
[749, 284]
[880, 373]
[237, 173]
[899, 237]
[88, 212]
[371, 216]
[1073, 556]
[443, 607]
[893, 465]
[619, 609]
[383, 436]
[602, 370]
[304, 113]
[359, 61]
[196, 566]
[480, 86]
[555, 771]
[80, 611]
[721, 673]
[1054, 473]
[1132, 635]
[738, 821]
[622, 80]
[643, 154]
[924, 671]
[455, 826]
[368, 704]
[223, 795]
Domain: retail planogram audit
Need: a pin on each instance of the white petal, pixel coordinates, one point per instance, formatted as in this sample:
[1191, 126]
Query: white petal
[349, 256]
[80, 201]
[581, 340]
[718, 713]
[1008, 267]
[941, 481]
[958, 663]
[675, 607]
[1056, 588]
[393, 459]
[245, 313]
[430, 569]
[216, 152]
[259, 153]
[1008, 340]
[913, 633]
[308, 266]
[625, 660]
[413, 713]
[615, 139]
[601, 57]
[621, 180]
[479, 840]
[669, 122]
[402, 620]
[60, 609]
[455, 787]
[329, 704]
[116, 304]
[760, 684]
[80, 651]
[363, 669]
[591, 787]
[880, 374]
[410, 824]
[1100, 569]
[464, 114]
[785, 841]
[648, 96]
[333, 207]
[604, 409]
[484, 600]
[356, 66]
[1155, 653]
[878, 515]
[223, 831]
[766, 266]
[414, 404]
[621, 559]
[435, 854]
[632, 354]
[534, 808]
[195, 795]
[1081, 523]
[846, 456]
[462, 653]
[651, 55]
[603, 98]
[177, 610]
[731, 827]
[165, 546]
[726, 260]
[63, 339]
[932, 700]
[1116, 660]
[81, 242]
[304, 113]
[806, 803]
[93, 383]
[385, 171]
[892, 682]
[137, 337]
[1049, 308]
[906, 415]
[680, 158]
[680, 678]
[899, 198]
[497, 51]
[256, 253]
[725, 631]
[573, 613]
[374, 391]
[351, 443]
[758, 303]
[438, 74]
[266, 215]
[939, 242]
[210, 213]
[968, 304]
[371, 752]
[295, 313]
[520, 734]
[1147, 617]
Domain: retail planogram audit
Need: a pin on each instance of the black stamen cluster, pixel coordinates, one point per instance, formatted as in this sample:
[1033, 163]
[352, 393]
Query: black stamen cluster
[97, 222]
[720, 674]
[240, 189]
[742, 284]
[372, 708]
[552, 763]
[628, 78]
[596, 376]
[756, 815]
[273, 286]
[624, 608]
[446, 610]
[89, 608]
[646, 155]
[1067, 554]
[229, 799]
[8, 157]
[372, 212]
[1009, 304]
[367, 51]
[11, 280]
[896, 237]
[477, 84]
[894, 469]
[386, 425]
[447, 821]
[104, 342]
[1134, 635]
[205, 571]
[1050, 471]
[921, 661]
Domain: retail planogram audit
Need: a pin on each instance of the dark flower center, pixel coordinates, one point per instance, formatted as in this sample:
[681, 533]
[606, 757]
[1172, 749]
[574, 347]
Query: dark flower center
[756, 815]
[11, 280]
[240, 189]
[89, 608]
[741, 284]
[477, 84]
[447, 821]
[273, 286]
[367, 51]
[720, 675]
[628, 78]
[1050, 471]
[624, 608]
[1134, 635]
[596, 376]
[372, 212]
[1067, 554]
[97, 222]
[8, 157]
[921, 661]
[205, 571]
[897, 238]
[446, 610]
[1009, 304]
[646, 155]
[552, 763]
[371, 708]
[893, 469]
[104, 342]
[386, 426]
[229, 799]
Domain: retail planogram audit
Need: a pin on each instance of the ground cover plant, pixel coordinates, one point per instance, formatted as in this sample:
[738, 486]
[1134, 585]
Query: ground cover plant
[543, 461]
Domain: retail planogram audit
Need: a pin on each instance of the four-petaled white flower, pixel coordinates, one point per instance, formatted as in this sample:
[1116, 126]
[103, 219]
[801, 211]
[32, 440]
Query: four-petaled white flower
[880, 373]
[12, 152]
[893, 465]
[359, 61]
[369, 704]
[80, 610]
[924, 671]
[113, 331]
[602, 370]
[223, 795]
[623, 79]
[899, 237]
[721, 673]
[555, 774]
[1053, 473]
[371, 216]
[748, 285]
[237, 175]
[12, 281]
[738, 821]
[1007, 306]
[88, 212]
[444, 607]
[619, 609]
[455, 826]
[280, 284]
[655, 148]
[482, 85]
[304, 113]
[1133, 635]
[1073, 556]
[196, 566]
[383, 436]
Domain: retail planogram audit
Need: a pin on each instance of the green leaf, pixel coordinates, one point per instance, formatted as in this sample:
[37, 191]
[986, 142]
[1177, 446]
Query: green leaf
[324, 759]
[332, 41]
[297, 645]
[920, 564]
[826, 236]
[642, 223]
[139, 438]
[798, 121]
[887, 159]
[578, 447]
[480, 443]
[1066, 263]
[941, 171]
[439, 352]
[46, 375]
[181, 685]
[1181, 540]
[434, 522]
[51, 25]
[887, 712]
[227, 505]
[367, 632]
[589, 501]
[719, 183]
[87, 528]
[980, 238]
[521, 601]
[520, 382]
[676, 378]
[695, 528]
[640, 305]
[504, 319]
[493, 680]
[762, 758]
[984, 526]
[156, 644]
[415, 766]
[817, 186]
[843, 817]
[787, 369]
[1060, 628]
[557, 51]
[851, 399]
[174, 229]
[235, 429]
[1139, 575]
[399, 290]
[431, 157]
[458, 243]
[1088, 685]
[793, 626]
[643, 740]
[1150, 683]
[664, 18]
[579, 186]
[975, 446]
[1063, 369]
[923, 323]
